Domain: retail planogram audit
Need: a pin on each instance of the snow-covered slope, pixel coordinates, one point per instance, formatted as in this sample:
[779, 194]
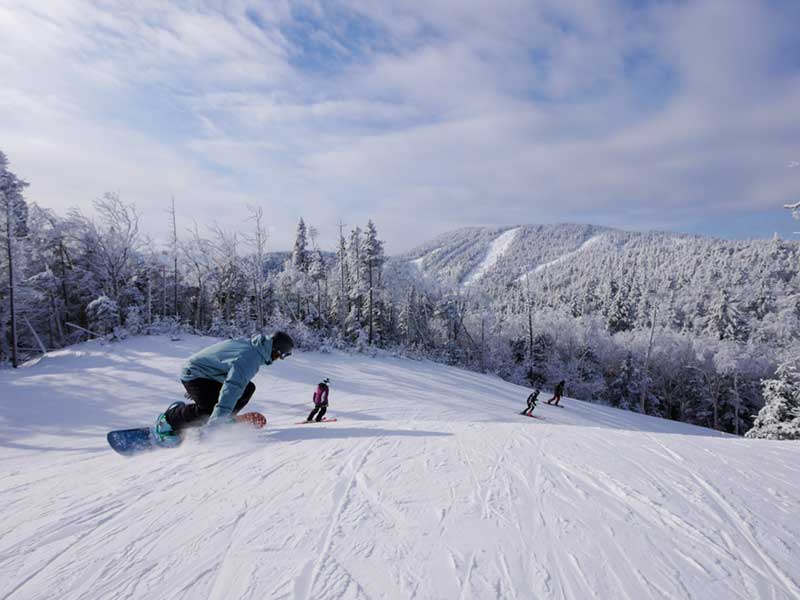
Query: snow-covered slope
[497, 249]
[491, 257]
[429, 486]
[592, 241]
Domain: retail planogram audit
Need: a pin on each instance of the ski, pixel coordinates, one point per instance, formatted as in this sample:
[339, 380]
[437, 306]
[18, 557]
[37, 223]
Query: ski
[315, 422]
[531, 416]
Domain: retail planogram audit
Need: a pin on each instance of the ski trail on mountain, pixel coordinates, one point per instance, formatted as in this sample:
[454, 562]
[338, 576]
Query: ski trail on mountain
[564, 257]
[497, 249]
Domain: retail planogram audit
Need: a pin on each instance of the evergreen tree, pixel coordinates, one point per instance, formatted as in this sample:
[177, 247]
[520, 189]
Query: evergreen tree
[340, 305]
[103, 314]
[624, 389]
[318, 275]
[356, 289]
[372, 255]
[541, 355]
[300, 255]
[724, 321]
[14, 219]
[620, 313]
[779, 419]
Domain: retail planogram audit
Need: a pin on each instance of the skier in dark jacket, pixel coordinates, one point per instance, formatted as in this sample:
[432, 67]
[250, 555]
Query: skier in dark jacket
[557, 393]
[320, 401]
[218, 381]
[531, 403]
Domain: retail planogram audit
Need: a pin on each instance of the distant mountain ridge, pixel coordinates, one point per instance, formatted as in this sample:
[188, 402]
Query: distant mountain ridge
[457, 256]
[460, 256]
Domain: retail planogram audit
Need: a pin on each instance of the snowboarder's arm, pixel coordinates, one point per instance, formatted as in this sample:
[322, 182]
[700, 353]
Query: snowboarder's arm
[239, 375]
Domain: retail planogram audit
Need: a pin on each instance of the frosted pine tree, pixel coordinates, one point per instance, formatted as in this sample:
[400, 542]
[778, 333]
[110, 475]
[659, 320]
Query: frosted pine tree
[318, 274]
[780, 417]
[298, 271]
[373, 258]
[300, 257]
[340, 301]
[620, 313]
[624, 389]
[14, 218]
[103, 315]
[356, 289]
[724, 321]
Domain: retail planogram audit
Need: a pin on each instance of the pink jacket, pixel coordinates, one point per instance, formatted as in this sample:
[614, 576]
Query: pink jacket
[321, 395]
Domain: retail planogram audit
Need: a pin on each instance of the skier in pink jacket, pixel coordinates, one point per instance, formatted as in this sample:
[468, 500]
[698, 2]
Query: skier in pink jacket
[320, 401]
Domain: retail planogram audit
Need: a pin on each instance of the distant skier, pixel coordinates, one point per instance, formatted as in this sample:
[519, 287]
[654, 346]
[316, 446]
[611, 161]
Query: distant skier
[531, 403]
[218, 380]
[557, 393]
[320, 401]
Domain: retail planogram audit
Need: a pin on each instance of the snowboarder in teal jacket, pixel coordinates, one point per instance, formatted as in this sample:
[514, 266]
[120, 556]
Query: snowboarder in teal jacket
[218, 381]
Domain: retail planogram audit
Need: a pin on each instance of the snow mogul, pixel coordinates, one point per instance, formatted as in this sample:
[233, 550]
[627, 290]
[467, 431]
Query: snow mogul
[218, 381]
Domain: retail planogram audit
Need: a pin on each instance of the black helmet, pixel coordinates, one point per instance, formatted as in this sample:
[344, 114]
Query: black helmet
[282, 343]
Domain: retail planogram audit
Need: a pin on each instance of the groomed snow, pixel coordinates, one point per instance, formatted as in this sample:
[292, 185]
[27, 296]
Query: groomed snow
[418, 262]
[592, 241]
[498, 248]
[429, 486]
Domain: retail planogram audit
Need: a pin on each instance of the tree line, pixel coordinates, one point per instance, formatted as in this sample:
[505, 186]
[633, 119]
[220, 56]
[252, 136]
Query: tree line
[73, 276]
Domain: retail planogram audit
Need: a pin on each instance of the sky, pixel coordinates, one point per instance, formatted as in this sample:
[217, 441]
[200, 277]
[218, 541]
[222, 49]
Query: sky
[422, 116]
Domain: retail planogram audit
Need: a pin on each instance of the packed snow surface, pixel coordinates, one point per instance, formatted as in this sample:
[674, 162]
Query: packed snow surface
[429, 486]
[497, 249]
[592, 241]
[418, 262]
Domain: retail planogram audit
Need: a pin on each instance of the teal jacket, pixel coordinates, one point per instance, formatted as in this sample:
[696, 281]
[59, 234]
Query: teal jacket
[233, 363]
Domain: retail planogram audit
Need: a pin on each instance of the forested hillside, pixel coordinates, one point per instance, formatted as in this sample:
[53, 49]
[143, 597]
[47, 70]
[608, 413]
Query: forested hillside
[675, 326]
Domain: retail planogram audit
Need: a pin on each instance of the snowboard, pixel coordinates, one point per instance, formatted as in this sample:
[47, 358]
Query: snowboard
[315, 422]
[129, 442]
[531, 416]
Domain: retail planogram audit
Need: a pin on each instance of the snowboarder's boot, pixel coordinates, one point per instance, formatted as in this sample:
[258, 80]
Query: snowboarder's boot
[162, 432]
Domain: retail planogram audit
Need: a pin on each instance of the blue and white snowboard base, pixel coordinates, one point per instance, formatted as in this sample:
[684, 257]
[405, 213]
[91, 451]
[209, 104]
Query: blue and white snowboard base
[132, 441]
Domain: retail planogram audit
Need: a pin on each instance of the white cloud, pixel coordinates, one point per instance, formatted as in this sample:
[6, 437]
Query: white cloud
[421, 116]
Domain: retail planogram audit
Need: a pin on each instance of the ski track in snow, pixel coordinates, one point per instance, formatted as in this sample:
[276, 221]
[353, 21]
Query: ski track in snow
[569, 255]
[418, 262]
[428, 486]
[497, 249]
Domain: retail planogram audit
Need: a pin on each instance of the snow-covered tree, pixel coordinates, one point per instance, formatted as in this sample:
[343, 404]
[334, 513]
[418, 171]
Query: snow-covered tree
[318, 275]
[373, 257]
[300, 257]
[779, 419]
[103, 314]
[724, 321]
[14, 219]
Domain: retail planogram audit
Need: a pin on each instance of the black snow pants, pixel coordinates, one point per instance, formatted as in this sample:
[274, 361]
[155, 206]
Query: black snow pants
[205, 394]
[531, 403]
[322, 408]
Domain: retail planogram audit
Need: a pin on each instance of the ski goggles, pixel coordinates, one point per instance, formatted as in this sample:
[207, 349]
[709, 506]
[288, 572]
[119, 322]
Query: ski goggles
[283, 355]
